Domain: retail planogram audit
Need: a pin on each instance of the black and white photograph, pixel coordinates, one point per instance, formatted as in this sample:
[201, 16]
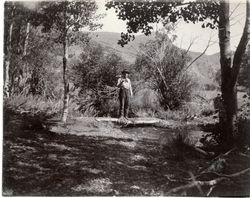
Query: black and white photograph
[125, 98]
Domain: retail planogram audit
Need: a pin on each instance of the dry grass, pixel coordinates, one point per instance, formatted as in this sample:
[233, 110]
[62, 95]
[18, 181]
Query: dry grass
[140, 112]
[32, 104]
[179, 145]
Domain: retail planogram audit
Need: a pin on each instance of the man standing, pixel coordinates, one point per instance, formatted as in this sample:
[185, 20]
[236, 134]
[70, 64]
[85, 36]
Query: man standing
[124, 84]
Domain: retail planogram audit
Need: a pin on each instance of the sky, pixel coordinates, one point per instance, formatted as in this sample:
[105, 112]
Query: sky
[186, 33]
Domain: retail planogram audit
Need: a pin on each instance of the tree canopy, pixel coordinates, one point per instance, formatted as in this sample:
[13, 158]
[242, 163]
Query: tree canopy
[67, 16]
[140, 15]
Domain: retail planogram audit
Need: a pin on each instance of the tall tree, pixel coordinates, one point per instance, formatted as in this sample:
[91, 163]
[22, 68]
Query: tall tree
[213, 14]
[8, 23]
[18, 20]
[66, 17]
[230, 67]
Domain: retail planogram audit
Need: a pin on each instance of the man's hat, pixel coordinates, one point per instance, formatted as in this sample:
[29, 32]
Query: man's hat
[125, 71]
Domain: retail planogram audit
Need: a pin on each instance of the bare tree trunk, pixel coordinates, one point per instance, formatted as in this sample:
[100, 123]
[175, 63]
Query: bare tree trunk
[65, 80]
[241, 48]
[229, 94]
[7, 78]
[229, 73]
[66, 84]
[24, 74]
[26, 40]
[7, 63]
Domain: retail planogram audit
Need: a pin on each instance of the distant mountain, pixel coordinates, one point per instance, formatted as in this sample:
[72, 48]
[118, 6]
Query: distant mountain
[204, 69]
[109, 41]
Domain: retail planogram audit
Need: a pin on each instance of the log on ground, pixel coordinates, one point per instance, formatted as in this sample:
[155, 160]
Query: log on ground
[133, 122]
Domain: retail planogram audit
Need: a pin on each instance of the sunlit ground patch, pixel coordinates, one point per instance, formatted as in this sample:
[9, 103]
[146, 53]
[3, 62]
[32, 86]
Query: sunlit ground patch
[100, 185]
[60, 147]
[138, 158]
[92, 170]
[129, 144]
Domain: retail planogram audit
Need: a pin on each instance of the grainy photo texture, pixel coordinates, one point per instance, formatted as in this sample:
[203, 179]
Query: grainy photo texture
[126, 98]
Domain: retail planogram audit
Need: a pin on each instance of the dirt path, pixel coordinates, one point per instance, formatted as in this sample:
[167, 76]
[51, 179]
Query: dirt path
[42, 163]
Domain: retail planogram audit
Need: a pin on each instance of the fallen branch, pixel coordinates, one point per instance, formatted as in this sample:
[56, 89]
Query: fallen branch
[201, 151]
[238, 173]
[225, 154]
[196, 183]
[207, 183]
[171, 179]
[210, 191]
[220, 159]
[244, 155]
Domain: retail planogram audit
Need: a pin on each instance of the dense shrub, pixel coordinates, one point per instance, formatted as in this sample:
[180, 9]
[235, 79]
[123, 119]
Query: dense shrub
[243, 79]
[243, 121]
[241, 124]
[163, 65]
[96, 74]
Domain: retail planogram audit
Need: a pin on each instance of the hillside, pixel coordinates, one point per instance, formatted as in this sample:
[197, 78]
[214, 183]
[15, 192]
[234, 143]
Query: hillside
[204, 69]
[109, 41]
